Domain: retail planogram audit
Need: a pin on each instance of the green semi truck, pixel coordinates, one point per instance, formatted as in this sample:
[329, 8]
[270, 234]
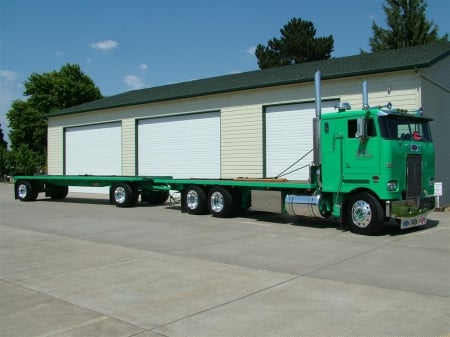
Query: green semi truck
[370, 165]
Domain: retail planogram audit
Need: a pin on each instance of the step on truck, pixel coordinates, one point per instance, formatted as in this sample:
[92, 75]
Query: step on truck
[369, 166]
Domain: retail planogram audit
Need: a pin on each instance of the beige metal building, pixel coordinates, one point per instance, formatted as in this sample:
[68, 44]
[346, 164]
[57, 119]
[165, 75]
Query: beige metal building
[251, 124]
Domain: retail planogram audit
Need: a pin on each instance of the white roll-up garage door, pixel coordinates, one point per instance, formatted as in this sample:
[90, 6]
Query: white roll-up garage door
[182, 146]
[93, 149]
[289, 137]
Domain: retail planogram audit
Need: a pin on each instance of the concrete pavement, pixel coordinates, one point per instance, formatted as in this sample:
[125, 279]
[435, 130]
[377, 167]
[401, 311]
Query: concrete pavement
[81, 267]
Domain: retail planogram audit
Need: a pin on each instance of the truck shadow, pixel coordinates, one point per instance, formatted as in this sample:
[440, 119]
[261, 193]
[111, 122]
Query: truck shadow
[78, 200]
[391, 228]
[278, 218]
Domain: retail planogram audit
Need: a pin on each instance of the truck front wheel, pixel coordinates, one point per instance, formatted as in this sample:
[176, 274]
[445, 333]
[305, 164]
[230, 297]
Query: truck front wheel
[365, 214]
[25, 191]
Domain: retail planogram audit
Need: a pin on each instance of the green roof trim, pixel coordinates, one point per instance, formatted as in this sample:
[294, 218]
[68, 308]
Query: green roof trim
[363, 64]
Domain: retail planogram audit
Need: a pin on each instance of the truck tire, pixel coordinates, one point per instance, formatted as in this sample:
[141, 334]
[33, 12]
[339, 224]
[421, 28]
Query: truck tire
[365, 214]
[26, 191]
[221, 202]
[122, 194]
[195, 200]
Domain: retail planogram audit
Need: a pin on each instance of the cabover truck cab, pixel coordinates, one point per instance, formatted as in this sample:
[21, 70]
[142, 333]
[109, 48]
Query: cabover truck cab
[369, 165]
[377, 163]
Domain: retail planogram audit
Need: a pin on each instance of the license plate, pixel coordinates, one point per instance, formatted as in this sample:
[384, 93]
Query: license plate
[413, 222]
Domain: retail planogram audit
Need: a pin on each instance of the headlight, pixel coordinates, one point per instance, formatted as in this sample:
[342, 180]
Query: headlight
[392, 185]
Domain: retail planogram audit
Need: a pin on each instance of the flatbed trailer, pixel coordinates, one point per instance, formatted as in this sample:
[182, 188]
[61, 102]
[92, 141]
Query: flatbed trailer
[124, 190]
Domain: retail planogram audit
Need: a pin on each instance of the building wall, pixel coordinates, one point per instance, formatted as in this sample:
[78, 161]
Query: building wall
[241, 117]
[436, 104]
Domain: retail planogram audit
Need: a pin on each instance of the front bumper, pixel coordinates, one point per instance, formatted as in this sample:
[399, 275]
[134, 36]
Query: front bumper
[410, 212]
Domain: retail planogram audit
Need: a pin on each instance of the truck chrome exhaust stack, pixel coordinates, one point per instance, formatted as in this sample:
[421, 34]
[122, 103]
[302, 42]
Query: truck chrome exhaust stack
[318, 95]
[316, 121]
[365, 96]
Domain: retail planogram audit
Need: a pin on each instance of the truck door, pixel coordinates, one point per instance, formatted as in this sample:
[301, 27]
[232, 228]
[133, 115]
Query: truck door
[360, 155]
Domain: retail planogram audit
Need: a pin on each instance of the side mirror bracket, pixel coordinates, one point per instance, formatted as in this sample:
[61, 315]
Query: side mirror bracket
[361, 129]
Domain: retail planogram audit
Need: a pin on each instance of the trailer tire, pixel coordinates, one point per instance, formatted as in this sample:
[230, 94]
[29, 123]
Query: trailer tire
[221, 202]
[123, 195]
[58, 192]
[155, 197]
[26, 191]
[195, 200]
[365, 214]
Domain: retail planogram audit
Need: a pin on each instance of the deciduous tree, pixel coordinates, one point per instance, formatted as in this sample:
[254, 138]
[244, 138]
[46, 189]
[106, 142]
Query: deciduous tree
[45, 93]
[3, 153]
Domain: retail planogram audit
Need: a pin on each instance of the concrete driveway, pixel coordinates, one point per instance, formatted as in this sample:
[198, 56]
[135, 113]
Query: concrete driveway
[81, 267]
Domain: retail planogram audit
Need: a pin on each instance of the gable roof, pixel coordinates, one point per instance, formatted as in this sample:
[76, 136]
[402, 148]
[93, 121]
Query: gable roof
[386, 61]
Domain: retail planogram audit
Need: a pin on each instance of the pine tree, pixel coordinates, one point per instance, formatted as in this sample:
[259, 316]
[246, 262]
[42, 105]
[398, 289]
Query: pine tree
[407, 26]
[298, 44]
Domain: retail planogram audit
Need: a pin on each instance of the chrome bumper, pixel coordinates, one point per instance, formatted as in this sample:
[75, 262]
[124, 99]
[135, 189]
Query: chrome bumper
[410, 212]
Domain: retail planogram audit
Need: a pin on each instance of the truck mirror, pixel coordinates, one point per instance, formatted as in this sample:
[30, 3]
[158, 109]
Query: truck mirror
[361, 129]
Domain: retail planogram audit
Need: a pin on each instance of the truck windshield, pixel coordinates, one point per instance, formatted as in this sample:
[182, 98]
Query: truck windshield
[405, 128]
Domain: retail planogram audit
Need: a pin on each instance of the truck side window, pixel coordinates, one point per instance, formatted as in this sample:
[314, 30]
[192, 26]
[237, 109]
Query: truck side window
[352, 127]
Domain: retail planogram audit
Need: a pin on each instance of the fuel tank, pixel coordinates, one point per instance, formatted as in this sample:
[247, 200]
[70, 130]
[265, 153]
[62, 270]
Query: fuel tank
[303, 205]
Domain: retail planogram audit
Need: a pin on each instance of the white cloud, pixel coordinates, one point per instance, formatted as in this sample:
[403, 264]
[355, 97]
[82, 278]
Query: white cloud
[59, 53]
[105, 45]
[10, 90]
[251, 50]
[7, 76]
[133, 82]
[143, 66]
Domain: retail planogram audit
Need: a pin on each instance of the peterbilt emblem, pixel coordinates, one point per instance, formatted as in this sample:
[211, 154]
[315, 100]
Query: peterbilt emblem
[414, 147]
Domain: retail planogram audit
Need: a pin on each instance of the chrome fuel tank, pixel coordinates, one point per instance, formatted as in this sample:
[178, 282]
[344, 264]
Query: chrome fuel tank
[303, 205]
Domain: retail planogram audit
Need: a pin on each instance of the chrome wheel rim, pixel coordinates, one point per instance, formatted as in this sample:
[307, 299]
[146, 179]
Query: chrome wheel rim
[217, 202]
[120, 195]
[361, 214]
[192, 199]
[22, 191]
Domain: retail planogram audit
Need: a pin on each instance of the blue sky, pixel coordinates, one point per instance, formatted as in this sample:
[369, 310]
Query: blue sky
[131, 44]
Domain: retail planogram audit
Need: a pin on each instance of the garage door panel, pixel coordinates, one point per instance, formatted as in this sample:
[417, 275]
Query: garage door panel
[180, 146]
[288, 138]
[94, 150]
